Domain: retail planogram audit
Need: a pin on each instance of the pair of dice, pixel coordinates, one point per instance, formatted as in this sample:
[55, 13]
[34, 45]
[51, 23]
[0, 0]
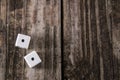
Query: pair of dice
[32, 58]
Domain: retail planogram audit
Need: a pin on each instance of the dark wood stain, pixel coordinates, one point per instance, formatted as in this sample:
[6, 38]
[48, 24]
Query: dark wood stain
[90, 39]
[27, 17]
[96, 22]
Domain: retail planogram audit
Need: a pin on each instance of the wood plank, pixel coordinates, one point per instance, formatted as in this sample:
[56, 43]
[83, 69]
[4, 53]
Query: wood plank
[42, 23]
[91, 42]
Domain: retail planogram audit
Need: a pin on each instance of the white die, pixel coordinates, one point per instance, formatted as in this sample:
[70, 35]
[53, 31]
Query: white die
[22, 41]
[32, 59]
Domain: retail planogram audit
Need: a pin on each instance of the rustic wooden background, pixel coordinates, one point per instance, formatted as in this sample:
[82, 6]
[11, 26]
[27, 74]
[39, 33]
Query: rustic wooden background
[91, 39]
[41, 20]
[83, 34]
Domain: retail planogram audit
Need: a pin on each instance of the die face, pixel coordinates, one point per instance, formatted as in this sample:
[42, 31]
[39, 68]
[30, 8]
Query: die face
[32, 59]
[22, 41]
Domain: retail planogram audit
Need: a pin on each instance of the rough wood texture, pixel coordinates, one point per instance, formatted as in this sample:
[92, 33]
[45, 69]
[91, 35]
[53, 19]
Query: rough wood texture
[91, 39]
[41, 20]
[91, 30]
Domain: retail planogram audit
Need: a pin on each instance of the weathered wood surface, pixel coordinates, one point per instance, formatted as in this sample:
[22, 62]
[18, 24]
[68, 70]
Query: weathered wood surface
[41, 20]
[91, 39]
[91, 30]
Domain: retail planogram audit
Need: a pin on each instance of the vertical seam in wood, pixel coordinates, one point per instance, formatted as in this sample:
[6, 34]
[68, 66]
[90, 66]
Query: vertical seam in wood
[62, 37]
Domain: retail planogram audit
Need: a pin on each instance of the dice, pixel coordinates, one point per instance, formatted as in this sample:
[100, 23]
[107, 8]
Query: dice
[32, 59]
[22, 41]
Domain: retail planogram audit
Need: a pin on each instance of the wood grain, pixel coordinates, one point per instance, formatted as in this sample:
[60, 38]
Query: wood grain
[91, 30]
[91, 42]
[44, 27]
[41, 20]
[3, 37]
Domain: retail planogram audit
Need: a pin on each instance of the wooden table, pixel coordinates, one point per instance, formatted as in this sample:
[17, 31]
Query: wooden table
[79, 39]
